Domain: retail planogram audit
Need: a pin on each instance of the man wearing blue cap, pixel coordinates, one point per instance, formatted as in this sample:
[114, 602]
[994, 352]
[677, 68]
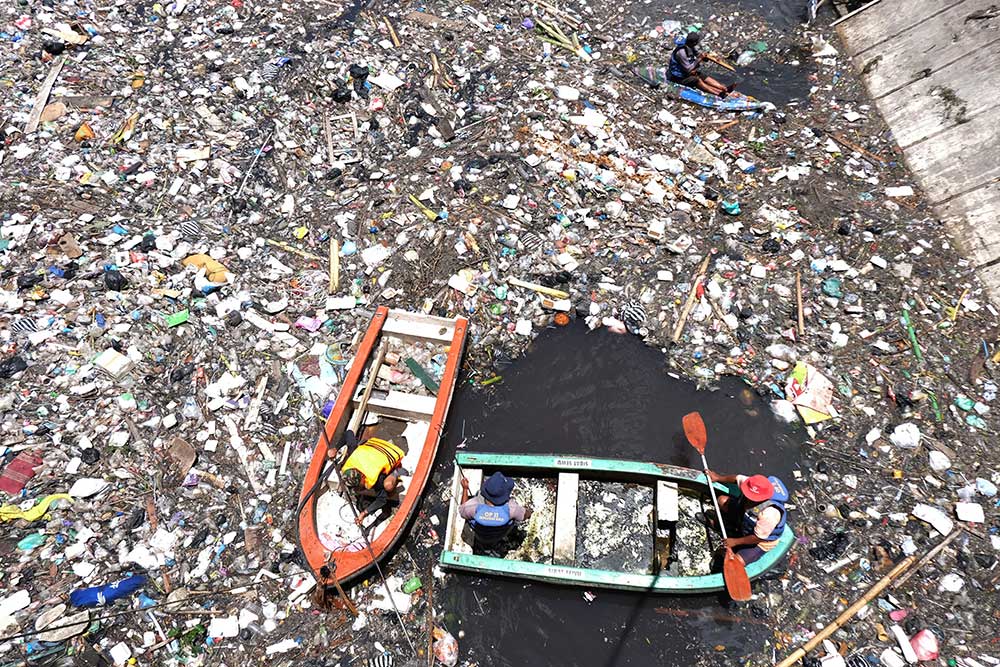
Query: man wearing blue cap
[492, 514]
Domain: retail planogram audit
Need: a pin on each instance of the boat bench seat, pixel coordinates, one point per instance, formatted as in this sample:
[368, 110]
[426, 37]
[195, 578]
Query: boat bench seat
[564, 541]
[667, 504]
[401, 405]
[413, 327]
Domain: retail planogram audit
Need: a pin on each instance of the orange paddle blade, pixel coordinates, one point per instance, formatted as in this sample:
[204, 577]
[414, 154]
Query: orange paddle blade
[735, 574]
[694, 429]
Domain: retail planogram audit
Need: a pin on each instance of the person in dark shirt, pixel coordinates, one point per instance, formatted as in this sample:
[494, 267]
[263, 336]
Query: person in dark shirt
[684, 63]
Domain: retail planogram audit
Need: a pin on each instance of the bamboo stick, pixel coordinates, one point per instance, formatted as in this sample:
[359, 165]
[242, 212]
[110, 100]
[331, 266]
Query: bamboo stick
[329, 138]
[541, 289]
[334, 266]
[848, 613]
[392, 32]
[372, 376]
[690, 300]
[929, 556]
[430, 619]
[798, 304]
[855, 12]
[840, 139]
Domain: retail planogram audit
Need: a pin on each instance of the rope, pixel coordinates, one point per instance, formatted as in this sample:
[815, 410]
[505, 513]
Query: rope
[371, 551]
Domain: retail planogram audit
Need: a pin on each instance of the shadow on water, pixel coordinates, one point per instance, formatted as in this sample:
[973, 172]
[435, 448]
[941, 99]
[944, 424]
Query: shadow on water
[580, 392]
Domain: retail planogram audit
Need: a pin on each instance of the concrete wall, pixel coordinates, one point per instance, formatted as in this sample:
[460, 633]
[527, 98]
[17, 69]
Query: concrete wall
[933, 68]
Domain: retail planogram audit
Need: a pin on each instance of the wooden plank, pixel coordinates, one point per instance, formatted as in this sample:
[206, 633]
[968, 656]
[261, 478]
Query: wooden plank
[885, 21]
[564, 542]
[935, 103]
[43, 96]
[402, 405]
[957, 160]
[555, 462]
[973, 219]
[453, 538]
[667, 501]
[928, 46]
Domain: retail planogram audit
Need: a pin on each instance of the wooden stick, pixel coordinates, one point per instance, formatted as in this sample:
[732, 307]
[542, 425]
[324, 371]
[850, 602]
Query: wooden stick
[430, 619]
[798, 303]
[329, 138]
[929, 556]
[848, 613]
[334, 265]
[719, 61]
[294, 250]
[855, 12]
[340, 590]
[392, 33]
[839, 138]
[690, 300]
[728, 125]
[372, 376]
[541, 289]
[43, 97]
[558, 13]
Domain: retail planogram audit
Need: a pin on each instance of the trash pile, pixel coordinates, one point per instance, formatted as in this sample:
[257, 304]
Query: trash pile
[205, 201]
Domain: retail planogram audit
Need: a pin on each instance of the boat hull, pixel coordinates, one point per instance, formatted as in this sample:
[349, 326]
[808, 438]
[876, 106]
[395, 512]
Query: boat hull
[611, 469]
[348, 566]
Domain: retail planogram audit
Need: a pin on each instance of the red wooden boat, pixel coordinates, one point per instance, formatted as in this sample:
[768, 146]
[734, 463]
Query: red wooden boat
[382, 396]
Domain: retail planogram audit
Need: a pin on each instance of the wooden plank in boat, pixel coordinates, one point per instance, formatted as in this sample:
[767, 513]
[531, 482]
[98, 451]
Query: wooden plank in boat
[414, 327]
[402, 405]
[456, 524]
[667, 506]
[564, 548]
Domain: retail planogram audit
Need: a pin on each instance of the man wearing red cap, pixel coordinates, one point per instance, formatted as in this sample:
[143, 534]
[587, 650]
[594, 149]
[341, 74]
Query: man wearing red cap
[758, 512]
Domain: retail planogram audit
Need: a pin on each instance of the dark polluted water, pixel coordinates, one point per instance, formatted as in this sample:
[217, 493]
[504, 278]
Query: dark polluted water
[597, 393]
[772, 76]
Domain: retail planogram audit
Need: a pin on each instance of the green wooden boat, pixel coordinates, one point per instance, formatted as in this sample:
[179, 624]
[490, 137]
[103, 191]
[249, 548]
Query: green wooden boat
[651, 537]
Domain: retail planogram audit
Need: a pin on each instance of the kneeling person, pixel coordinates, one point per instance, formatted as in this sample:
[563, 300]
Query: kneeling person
[492, 514]
[373, 469]
[757, 512]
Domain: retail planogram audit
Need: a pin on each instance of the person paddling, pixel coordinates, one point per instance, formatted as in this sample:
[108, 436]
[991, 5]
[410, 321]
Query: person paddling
[684, 63]
[757, 511]
[492, 514]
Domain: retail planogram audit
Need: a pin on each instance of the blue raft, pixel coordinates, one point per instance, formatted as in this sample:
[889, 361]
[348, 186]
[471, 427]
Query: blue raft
[659, 77]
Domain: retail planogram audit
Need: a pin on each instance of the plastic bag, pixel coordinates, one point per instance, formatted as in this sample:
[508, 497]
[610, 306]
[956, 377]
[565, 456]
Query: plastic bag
[925, 645]
[445, 648]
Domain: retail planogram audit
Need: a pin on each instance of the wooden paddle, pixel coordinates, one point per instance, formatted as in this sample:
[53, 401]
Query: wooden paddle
[733, 570]
[719, 61]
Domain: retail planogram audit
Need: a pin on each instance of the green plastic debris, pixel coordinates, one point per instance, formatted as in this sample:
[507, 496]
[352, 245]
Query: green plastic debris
[412, 584]
[833, 287]
[965, 403]
[422, 375]
[31, 541]
[178, 318]
[975, 421]
[758, 47]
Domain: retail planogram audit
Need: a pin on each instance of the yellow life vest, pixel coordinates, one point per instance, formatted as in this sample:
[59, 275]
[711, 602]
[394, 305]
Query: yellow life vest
[372, 458]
